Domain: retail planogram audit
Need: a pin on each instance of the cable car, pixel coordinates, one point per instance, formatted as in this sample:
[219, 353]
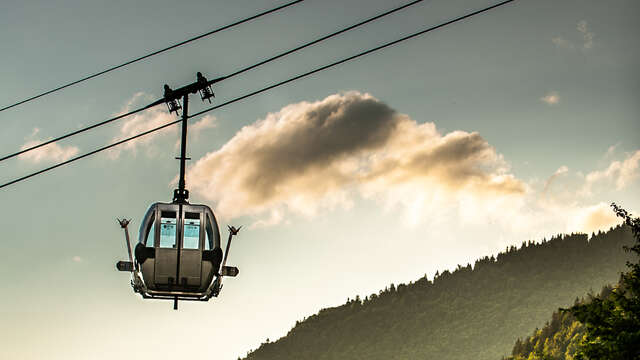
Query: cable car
[184, 267]
[179, 254]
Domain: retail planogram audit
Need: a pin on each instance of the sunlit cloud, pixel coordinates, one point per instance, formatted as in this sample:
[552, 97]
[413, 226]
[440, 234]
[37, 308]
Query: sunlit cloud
[591, 219]
[551, 98]
[620, 173]
[77, 259]
[48, 153]
[311, 156]
[318, 156]
[571, 202]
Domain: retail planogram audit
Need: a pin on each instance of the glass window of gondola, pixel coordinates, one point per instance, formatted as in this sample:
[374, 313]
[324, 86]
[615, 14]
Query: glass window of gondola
[150, 234]
[191, 231]
[168, 229]
[209, 234]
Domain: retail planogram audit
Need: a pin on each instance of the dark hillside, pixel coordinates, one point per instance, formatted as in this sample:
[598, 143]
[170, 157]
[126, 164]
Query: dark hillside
[556, 340]
[470, 313]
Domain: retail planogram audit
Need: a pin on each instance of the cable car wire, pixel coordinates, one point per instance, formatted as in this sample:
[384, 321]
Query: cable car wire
[323, 38]
[457, 19]
[151, 54]
[22, 151]
[238, 72]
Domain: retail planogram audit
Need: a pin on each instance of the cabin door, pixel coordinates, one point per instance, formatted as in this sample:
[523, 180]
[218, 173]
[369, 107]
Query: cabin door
[191, 252]
[167, 251]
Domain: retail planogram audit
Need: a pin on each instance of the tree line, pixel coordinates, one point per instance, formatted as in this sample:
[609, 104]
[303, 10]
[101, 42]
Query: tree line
[473, 312]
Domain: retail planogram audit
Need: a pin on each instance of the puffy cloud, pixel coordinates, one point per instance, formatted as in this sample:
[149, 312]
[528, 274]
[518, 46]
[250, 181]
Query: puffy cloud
[620, 173]
[551, 98]
[313, 155]
[48, 153]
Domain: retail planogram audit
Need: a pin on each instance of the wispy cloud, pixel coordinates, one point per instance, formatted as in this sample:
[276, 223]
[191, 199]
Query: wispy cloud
[139, 123]
[150, 119]
[561, 171]
[561, 42]
[207, 122]
[77, 259]
[587, 39]
[551, 98]
[587, 35]
[48, 153]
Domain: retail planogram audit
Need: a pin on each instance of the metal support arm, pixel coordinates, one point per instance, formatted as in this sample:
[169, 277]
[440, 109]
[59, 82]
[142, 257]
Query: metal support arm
[122, 265]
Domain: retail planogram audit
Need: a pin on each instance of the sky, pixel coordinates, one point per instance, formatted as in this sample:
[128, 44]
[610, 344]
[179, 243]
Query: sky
[515, 125]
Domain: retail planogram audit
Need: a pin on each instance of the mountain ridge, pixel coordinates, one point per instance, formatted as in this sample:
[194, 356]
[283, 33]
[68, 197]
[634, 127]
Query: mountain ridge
[474, 311]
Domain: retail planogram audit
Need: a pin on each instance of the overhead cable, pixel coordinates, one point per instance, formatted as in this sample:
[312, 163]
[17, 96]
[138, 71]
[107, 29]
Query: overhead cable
[238, 72]
[39, 145]
[460, 18]
[323, 38]
[150, 54]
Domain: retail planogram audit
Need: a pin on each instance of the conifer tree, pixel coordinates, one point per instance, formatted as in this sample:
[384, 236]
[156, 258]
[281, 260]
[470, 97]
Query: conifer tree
[612, 322]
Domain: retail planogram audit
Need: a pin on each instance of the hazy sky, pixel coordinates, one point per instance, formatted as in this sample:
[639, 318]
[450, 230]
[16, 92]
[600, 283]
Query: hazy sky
[514, 125]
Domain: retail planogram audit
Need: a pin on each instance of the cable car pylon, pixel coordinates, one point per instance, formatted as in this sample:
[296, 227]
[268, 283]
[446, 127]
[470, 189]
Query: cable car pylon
[178, 255]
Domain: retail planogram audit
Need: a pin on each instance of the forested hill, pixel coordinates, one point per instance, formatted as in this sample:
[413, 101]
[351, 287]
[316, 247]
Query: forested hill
[557, 339]
[470, 313]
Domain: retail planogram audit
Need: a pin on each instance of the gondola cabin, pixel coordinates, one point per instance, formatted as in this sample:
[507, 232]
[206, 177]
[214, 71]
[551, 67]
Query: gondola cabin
[178, 250]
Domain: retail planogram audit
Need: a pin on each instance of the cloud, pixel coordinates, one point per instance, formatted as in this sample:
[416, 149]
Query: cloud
[621, 173]
[587, 38]
[150, 119]
[77, 259]
[316, 155]
[275, 217]
[586, 34]
[139, 123]
[551, 98]
[207, 122]
[48, 153]
[569, 206]
[592, 218]
[561, 42]
[561, 171]
[611, 150]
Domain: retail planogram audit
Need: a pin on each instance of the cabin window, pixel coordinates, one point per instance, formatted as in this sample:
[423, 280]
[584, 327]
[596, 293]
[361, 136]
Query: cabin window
[168, 227]
[191, 238]
[208, 243]
[151, 234]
